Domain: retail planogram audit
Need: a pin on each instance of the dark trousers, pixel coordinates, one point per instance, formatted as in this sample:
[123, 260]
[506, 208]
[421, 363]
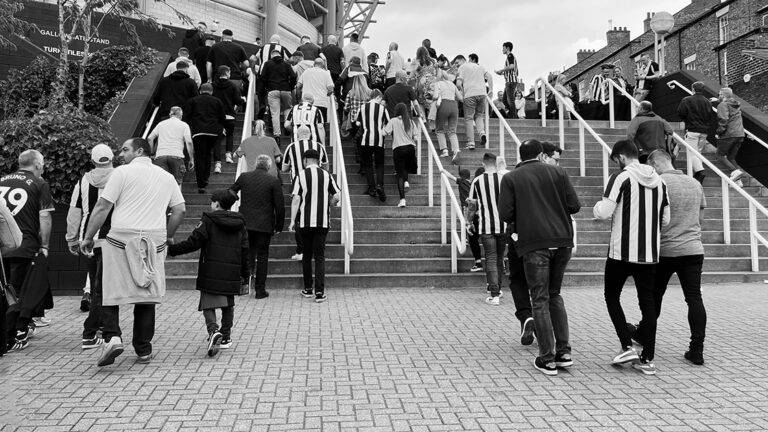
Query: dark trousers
[143, 326]
[517, 284]
[616, 274]
[258, 256]
[229, 138]
[509, 96]
[314, 247]
[16, 270]
[373, 157]
[95, 271]
[688, 269]
[493, 245]
[474, 241]
[227, 318]
[544, 270]
[204, 145]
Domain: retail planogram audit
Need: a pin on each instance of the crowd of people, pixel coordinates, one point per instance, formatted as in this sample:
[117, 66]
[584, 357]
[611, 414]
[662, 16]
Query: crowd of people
[124, 219]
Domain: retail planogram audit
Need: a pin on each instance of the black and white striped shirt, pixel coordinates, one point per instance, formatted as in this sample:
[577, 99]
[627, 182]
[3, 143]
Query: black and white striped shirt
[264, 52]
[485, 189]
[308, 115]
[510, 76]
[637, 218]
[373, 117]
[294, 155]
[316, 187]
[84, 198]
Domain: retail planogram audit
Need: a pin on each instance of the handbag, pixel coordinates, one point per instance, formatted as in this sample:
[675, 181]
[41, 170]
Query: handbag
[6, 290]
[245, 286]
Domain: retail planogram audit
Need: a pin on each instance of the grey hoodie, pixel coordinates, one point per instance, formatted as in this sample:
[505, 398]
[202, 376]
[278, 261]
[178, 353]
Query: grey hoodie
[353, 49]
[729, 121]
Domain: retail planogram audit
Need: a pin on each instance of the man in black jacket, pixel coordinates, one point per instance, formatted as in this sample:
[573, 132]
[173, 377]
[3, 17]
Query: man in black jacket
[263, 206]
[696, 112]
[231, 97]
[206, 116]
[279, 79]
[537, 199]
[174, 90]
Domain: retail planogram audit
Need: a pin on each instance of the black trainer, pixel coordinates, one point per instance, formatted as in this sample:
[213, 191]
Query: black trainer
[320, 297]
[381, 194]
[307, 292]
[483, 140]
[633, 333]
[695, 357]
[214, 343]
[545, 368]
[563, 360]
[526, 334]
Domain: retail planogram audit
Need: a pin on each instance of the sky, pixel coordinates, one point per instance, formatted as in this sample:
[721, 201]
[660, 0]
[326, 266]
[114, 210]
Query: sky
[546, 34]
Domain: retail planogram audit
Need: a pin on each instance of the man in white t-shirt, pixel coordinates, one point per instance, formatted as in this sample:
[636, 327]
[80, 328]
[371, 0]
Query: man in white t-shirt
[138, 194]
[317, 82]
[172, 136]
[471, 81]
[395, 62]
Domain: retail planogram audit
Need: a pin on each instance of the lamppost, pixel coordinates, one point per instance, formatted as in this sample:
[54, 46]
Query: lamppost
[661, 24]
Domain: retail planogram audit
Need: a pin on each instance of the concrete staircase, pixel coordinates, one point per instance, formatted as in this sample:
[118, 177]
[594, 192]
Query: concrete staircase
[400, 247]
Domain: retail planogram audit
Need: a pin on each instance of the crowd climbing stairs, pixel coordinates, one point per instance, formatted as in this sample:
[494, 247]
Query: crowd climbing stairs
[401, 247]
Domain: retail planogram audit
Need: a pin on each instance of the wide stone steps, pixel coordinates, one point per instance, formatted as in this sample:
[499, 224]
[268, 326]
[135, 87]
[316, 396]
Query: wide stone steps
[401, 247]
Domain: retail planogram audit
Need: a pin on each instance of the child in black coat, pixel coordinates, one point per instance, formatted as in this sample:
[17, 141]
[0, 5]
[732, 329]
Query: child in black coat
[223, 242]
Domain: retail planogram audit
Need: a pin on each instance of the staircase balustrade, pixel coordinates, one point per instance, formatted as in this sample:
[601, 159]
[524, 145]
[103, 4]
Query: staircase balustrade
[503, 127]
[339, 168]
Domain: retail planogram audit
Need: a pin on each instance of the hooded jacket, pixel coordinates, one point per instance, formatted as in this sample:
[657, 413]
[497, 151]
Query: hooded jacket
[174, 90]
[205, 115]
[534, 189]
[193, 40]
[84, 198]
[278, 74]
[696, 112]
[353, 49]
[621, 202]
[229, 95]
[222, 240]
[648, 131]
[729, 121]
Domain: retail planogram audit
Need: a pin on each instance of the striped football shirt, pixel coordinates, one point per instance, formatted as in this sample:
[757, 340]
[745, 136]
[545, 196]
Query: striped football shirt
[485, 189]
[294, 155]
[308, 115]
[373, 116]
[315, 186]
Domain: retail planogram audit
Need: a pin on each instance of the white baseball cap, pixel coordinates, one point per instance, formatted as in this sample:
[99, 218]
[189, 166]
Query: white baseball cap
[101, 153]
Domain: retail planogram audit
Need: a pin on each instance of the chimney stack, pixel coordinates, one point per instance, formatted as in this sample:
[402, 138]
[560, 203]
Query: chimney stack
[583, 55]
[619, 36]
[647, 23]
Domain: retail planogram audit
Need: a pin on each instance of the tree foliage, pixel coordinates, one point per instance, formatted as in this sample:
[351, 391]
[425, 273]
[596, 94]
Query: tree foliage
[10, 25]
[64, 137]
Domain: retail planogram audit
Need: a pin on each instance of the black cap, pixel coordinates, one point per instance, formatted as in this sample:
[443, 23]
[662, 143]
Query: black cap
[227, 32]
[311, 154]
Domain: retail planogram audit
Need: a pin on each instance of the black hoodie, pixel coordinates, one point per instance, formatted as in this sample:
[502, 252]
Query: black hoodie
[174, 90]
[193, 40]
[205, 115]
[696, 112]
[228, 94]
[277, 74]
[223, 240]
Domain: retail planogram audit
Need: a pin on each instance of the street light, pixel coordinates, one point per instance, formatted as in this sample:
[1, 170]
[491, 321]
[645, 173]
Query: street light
[661, 24]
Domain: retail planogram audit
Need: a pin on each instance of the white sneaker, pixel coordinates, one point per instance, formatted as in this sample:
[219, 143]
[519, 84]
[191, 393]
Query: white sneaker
[406, 186]
[444, 153]
[401, 203]
[630, 355]
[493, 301]
[297, 257]
[110, 351]
[41, 321]
[228, 158]
[737, 173]
[217, 168]
[739, 183]
[455, 156]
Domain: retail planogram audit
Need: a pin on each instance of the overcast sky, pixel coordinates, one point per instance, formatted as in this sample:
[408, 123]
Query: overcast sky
[547, 34]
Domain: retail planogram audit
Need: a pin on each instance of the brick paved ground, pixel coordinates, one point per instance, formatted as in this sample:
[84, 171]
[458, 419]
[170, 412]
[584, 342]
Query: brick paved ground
[402, 360]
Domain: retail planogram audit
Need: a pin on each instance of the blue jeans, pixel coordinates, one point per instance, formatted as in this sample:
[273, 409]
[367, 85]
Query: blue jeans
[544, 270]
[493, 245]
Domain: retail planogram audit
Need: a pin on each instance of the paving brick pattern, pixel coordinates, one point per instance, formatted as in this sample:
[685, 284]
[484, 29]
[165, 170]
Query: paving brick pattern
[393, 360]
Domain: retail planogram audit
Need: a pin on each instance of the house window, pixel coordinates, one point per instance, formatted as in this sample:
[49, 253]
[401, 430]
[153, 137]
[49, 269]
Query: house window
[723, 24]
[690, 62]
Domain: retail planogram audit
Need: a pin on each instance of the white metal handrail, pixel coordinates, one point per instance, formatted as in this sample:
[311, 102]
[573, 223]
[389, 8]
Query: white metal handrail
[674, 83]
[541, 85]
[447, 199]
[249, 115]
[151, 120]
[503, 127]
[755, 236]
[339, 168]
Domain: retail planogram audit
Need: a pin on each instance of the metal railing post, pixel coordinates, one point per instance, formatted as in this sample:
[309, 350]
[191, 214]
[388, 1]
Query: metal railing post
[454, 246]
[611, 104]
[753, 238]
[418, 155]
[582, 151]
[689, 162]
[561, 122]
[726, 211]
[605, 168]
[431, 181]
[543, 101]
[487, 128]
[501, 138]
[443, 225]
